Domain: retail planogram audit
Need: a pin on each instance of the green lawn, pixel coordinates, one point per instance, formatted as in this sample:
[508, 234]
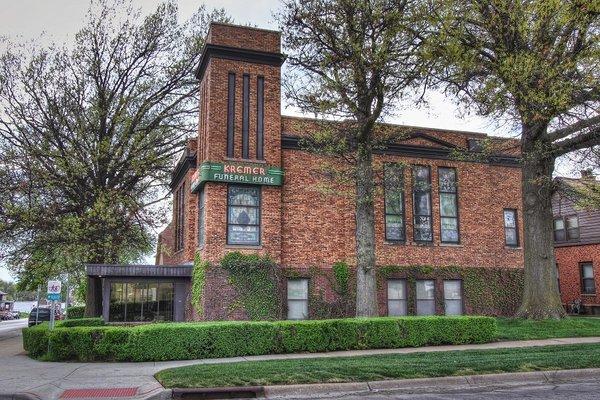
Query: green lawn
[520, 329]
[370, 368]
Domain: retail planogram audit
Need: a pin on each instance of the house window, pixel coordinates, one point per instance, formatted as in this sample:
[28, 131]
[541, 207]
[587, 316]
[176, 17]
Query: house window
[201, 232]
[425, 297]
[588, 283]
[453, 297]
[243, 215]
[394, 203]
[566, 228]
[179, 205]
[297, 298]
[397, 297]
[511, 235]
[422, 230]
[448, 205]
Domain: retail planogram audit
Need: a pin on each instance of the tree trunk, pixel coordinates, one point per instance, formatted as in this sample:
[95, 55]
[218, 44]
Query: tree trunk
[541, 298]
[366, 283]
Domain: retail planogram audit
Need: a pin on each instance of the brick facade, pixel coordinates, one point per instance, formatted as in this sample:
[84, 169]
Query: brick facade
[569, 260]
[304, 227]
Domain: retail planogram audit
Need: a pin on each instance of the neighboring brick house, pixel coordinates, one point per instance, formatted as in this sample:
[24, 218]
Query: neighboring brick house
[576, 246]
[247, 184]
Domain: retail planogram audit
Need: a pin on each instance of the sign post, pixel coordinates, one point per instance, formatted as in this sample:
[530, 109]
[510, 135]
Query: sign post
[53, 294]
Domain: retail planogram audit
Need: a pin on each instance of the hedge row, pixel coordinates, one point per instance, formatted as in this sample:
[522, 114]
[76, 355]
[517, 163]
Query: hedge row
[75, 312]
[181, 341]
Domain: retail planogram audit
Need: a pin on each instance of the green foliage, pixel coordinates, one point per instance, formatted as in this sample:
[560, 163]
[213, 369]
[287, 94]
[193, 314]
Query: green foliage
[341, 274]
[68, 323]
[180, 341]
[75, 312]
[255, 280]
[198, 281]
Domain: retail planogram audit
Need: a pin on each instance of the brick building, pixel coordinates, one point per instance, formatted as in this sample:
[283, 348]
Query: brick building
[448, 218]
[576, 247]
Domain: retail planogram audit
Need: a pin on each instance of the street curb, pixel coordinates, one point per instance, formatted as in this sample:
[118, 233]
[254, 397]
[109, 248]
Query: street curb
[432, 384]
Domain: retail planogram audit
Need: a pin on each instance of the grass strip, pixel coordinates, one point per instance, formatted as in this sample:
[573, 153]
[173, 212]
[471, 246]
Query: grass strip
[381, 367]
[521, 329]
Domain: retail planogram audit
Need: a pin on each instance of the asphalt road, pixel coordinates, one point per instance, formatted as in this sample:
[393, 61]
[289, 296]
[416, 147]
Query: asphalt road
[12, 328]
[580, 391]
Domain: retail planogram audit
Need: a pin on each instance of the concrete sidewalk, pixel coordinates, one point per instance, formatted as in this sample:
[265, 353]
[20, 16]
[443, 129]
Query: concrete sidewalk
[48, 380]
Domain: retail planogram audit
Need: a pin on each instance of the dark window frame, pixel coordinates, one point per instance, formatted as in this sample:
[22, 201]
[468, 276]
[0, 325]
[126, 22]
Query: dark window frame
[516, 227]
[455, 193]
[260, 117]
[231, 114]
[246, 116]
[403, 212]
[179, 205]
[415, 215]
[259, 224]
[565, 230]
[582, 279]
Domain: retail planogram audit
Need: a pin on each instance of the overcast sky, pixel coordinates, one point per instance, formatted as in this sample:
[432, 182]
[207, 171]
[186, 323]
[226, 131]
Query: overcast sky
[59, 20]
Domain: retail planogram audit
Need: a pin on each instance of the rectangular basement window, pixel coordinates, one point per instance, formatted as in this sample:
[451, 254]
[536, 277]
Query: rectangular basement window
[453, 297]
[297, 298]
[397, 297]
[425, 297]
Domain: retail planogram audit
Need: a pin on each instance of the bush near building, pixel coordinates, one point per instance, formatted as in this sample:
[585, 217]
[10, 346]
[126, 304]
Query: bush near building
[74, 312]
[180, 341]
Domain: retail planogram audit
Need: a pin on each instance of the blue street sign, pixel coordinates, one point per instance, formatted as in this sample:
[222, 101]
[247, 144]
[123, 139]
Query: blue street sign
[53, 296]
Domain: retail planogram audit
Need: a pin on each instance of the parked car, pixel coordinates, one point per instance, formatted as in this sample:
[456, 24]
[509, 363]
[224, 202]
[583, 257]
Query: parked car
[42, 315]
[6, 310]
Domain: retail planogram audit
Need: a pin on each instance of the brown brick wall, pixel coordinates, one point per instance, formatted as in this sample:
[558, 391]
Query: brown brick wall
[568, 260]
[244, 37]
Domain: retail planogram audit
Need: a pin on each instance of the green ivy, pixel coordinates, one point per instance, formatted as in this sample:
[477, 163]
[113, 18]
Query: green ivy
[255, 280]
[198, 281]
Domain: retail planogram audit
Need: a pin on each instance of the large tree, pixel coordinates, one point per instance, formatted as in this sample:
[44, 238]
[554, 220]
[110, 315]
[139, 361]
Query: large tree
[535, 62]
[88, 136]
[350, 61]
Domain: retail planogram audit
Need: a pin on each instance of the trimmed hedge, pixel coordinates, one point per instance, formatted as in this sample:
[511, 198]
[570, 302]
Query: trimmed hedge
[75, 312]
[68, 323]
[184, 341]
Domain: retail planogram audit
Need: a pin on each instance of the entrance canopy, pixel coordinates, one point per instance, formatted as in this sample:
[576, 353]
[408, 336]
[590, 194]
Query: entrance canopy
[138, 293]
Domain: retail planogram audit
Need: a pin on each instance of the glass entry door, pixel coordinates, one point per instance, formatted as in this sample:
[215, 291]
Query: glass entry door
[141, 301]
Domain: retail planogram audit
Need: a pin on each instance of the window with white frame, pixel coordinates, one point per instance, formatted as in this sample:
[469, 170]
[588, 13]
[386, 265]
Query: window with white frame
[453, 302]
[297, 298]
[422, 225]
[448, 205]
[397, 297]
[511, 234]
[425, 297]
[588, 283]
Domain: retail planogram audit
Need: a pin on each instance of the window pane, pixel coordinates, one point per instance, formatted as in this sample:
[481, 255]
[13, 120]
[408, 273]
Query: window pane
[511, 236]
[448, 205]
[239, 234]
[447, 178]
[422, 229]
[560, 236]
[425, 307]
[394, 227]
[422, 204]
[425, 290]
[297, 289]
[559, 224]
[587, 271]
[117, 302]
[165, 296]
[453, 307]
[509, 219]
[243, 196]
[397, 308]
[396, 289]
[297, 309]
[422, 174]
[393, 202]
[452, 290]
[572, 222]
[449, 230]
[243, 215]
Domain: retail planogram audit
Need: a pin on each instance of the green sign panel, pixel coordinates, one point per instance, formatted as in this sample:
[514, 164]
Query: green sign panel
[254, 174]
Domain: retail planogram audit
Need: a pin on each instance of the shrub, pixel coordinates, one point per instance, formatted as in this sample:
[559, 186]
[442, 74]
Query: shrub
[80, 322]
[75, 312]
[180, 341]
